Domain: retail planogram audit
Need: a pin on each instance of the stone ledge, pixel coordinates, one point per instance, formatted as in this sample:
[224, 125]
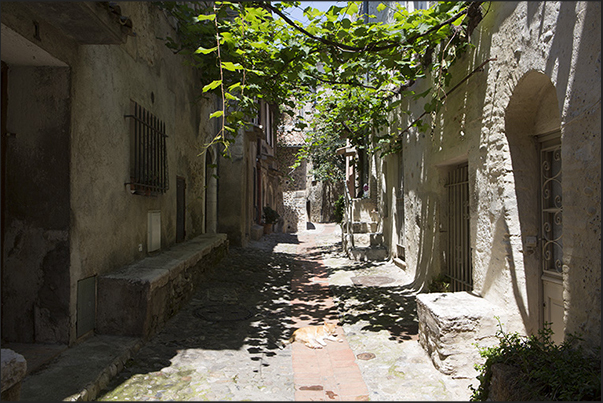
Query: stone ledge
[449, 326]
[136, 300]
[14, 369]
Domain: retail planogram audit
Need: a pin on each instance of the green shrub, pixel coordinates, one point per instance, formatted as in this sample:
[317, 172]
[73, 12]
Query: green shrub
[270, 216]
[339, 209]
[545, 370]
[440, 283]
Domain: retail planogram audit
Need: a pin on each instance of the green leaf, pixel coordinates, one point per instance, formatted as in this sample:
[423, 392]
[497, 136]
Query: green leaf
[381, 7]
[201, 49]
[230, 66]
[205, 17]
[459, 20]
[228, 95]
[235, 86]
[216, 114]
[352, 9]
[214, 84]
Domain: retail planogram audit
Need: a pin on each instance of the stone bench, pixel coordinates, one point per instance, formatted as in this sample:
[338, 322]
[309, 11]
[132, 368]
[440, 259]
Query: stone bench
[449, 326]
[136, 300]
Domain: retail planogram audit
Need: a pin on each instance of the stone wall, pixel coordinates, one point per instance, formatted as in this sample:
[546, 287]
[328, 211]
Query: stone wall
[294, 189]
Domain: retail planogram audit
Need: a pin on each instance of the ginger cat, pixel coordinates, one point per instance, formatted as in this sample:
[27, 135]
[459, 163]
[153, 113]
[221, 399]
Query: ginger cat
[315, 336]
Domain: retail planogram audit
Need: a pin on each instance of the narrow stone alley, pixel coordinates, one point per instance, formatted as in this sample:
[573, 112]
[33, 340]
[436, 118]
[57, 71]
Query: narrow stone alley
[224, 345]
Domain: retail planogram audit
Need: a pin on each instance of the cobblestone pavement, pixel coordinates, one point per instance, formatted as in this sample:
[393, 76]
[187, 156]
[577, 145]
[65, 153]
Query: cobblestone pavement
[224, 344]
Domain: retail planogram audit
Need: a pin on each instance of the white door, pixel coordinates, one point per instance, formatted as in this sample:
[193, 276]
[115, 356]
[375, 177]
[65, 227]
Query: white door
[551, 225]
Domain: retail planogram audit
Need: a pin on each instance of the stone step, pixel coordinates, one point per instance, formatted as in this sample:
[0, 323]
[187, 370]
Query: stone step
[367, 253]
[400, 263]
[363, 210]
[365, 239]
[360, 227]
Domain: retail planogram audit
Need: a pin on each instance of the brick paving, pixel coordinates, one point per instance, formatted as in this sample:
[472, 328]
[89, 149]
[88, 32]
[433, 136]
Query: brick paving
[330, 373]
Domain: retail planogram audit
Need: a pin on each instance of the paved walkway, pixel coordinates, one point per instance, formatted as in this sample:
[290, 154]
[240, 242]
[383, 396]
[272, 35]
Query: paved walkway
[224, 344]
[330, 373]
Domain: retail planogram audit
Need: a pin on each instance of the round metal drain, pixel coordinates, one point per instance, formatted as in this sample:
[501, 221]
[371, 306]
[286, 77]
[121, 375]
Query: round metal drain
[365, 356]
[223, 313]
[371, 281]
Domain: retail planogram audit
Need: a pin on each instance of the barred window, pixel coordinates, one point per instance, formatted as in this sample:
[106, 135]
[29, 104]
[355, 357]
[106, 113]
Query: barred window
[148, 154]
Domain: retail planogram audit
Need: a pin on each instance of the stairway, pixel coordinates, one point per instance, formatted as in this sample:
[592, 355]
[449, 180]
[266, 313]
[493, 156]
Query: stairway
[360, 236]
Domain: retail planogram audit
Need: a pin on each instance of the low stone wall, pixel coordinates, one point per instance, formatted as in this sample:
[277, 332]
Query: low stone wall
[449, 326]
[138, 299]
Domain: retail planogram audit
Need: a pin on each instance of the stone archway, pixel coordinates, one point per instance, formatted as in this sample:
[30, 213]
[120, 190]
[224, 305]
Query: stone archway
[532, 117]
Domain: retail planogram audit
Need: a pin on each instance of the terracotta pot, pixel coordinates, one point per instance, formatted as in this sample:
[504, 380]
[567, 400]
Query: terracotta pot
[267, 228]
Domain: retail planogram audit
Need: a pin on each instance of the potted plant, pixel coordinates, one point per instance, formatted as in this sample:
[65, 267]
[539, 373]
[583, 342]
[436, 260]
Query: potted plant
[270, 217]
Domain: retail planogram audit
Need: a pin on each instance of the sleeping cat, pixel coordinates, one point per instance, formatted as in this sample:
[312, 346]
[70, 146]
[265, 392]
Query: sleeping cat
[314, 336]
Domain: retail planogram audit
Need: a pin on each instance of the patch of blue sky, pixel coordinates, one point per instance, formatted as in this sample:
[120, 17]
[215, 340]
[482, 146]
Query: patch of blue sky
[297, 13]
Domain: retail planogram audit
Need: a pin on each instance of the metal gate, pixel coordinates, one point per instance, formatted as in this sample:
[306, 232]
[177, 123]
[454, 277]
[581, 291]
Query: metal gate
[458, 259]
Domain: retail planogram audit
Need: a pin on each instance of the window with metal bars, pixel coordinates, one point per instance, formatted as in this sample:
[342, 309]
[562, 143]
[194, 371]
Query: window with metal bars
[148, 154]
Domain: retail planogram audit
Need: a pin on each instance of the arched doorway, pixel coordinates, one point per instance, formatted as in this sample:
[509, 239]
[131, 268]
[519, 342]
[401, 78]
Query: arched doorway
[532, 125]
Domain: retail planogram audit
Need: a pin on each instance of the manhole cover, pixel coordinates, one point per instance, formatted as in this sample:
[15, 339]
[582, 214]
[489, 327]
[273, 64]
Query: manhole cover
[371, 281]
[365, 356]
[223, 313]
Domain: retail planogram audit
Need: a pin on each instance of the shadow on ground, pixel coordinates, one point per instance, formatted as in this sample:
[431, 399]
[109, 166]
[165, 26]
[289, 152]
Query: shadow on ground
[379, 306]
[244, 302]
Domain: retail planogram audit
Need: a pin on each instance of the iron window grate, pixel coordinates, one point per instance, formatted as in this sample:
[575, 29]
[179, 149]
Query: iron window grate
[148, 154]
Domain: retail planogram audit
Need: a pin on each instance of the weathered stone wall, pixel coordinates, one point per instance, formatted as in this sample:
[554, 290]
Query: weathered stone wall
[294, 190]
[546, 76]
[304, 199]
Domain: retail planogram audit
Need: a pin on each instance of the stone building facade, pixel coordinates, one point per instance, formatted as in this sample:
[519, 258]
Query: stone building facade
[503, 196]
[250, 180]
[102, 128]
[305, 199]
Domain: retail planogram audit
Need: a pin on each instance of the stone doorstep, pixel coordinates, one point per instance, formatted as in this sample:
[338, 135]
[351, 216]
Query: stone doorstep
[450, 324]
[133, 300]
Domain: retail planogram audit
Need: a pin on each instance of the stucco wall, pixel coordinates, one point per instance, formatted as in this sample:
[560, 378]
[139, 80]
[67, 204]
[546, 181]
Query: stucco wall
[104, 225]
[35, 282]
[235, 191]
[547, 55]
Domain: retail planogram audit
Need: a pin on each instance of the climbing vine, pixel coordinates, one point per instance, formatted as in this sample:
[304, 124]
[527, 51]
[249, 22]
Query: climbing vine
[352, 67]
